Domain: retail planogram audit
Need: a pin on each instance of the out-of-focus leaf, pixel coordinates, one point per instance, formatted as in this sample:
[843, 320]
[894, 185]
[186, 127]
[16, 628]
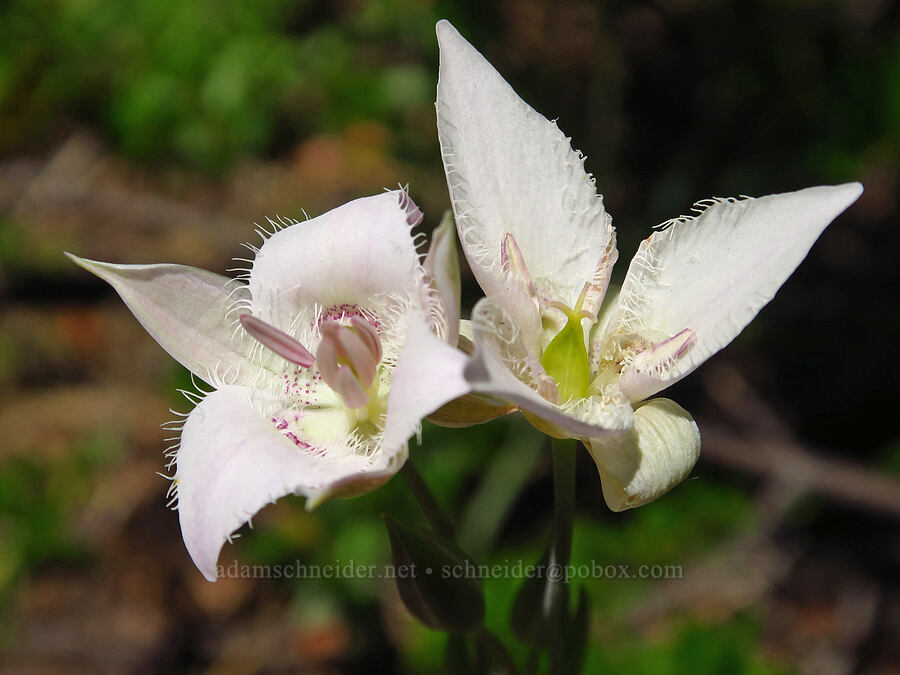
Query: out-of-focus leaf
[576, 635]
[431, 580]
[509, 470]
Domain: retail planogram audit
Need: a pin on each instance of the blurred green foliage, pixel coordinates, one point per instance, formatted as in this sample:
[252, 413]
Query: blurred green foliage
[38, 498]
[703, 649]
[207, 82]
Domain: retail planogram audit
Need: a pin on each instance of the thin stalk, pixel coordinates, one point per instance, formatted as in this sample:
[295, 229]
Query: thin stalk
[563, 499]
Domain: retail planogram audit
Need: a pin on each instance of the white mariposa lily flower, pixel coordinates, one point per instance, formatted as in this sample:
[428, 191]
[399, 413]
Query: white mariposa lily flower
[542, 246]
[303, 354]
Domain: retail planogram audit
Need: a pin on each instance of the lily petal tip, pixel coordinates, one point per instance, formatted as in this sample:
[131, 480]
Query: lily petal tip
[448, 37]
[444, 28]
[81, 262]
[855, 189]
[95, 267]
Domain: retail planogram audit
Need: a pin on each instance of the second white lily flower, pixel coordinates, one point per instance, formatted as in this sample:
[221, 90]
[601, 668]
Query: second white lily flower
[542, 246]
[304, 355]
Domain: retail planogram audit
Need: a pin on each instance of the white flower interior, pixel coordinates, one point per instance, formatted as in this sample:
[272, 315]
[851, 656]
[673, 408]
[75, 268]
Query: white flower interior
[309, 412]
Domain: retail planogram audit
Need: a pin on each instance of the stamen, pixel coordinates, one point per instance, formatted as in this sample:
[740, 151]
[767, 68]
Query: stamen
[513, 264]
[348, 359]
[663, 354]
[368, 333]
[350, 389]
[277, 341]
[413, 213]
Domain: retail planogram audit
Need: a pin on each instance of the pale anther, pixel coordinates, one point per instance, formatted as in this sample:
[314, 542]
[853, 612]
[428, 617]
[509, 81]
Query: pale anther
[348, 358]
[513, 264]
[663, 354]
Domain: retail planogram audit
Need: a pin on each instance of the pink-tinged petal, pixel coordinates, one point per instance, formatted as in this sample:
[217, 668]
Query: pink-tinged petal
[187, 311]
[428, 374]
[713, 272]
[442, 268]
[510, 170]
[233, 461]
[345, 256]
[645, 462]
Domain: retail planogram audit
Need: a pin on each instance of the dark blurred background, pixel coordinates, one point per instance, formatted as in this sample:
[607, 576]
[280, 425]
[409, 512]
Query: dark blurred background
[151, 131]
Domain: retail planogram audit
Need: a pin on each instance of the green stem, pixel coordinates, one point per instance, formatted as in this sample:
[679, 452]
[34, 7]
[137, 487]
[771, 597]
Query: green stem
[563, 499]
[440, 522]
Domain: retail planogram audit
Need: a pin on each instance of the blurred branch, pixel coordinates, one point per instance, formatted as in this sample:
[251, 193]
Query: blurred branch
[765, 447]
[795, 464]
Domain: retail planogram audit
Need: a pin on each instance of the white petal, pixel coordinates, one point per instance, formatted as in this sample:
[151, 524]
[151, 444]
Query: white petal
[428, 374]
[232, 462]
[442, 267]
[642, 464]
[187, 311]
[713, 272]
[510, 170]
[345, 256]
